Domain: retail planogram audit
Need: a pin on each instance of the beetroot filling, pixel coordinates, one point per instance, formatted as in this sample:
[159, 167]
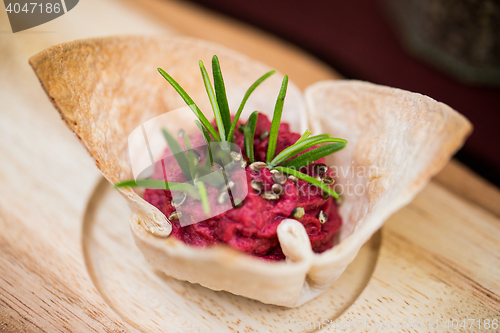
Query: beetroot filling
[252, 227]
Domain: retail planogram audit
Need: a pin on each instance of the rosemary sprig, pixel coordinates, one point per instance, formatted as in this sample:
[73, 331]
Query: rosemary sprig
[179, 154]
[220, 92]
[297, 148]
[313, 155]
[203, 130]
[275, 124]
[208, 157]
[248, 135]
[202, 190]
[304, 136]
[188, 167]
[191, 104]
[287, 161]
[243, 102]
[160, 185]
[190, 156]
[309, 179]
[213, 102]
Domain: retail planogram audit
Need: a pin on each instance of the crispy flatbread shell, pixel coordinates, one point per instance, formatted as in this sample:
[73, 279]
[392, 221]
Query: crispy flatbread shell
[397, 141]
[105, 88]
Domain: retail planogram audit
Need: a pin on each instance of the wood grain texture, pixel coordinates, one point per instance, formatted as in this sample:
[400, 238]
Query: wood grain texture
[46, 178]
[439, 257]
[439, 260]
[461, 180]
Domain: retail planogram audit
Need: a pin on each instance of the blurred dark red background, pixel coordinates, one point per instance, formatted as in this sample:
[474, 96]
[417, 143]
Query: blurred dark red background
[357, 38]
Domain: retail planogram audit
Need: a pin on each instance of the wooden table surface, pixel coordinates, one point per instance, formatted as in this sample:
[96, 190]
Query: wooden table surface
[439, 257]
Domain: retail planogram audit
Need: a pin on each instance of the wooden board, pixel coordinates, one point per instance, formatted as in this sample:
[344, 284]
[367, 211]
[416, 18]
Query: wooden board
[439, 256]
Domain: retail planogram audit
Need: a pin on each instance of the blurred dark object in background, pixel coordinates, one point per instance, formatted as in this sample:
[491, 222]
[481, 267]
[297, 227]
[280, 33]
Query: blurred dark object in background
[357, 39]
[461, 38]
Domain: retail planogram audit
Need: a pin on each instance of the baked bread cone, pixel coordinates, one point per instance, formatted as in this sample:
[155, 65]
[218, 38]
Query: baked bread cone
[105, 88]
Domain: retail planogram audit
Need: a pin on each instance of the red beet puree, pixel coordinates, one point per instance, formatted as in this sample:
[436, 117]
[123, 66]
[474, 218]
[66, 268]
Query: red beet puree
[251, 228]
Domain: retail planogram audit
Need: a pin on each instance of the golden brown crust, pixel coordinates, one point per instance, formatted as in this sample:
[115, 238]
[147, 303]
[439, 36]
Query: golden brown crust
[106, 87]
